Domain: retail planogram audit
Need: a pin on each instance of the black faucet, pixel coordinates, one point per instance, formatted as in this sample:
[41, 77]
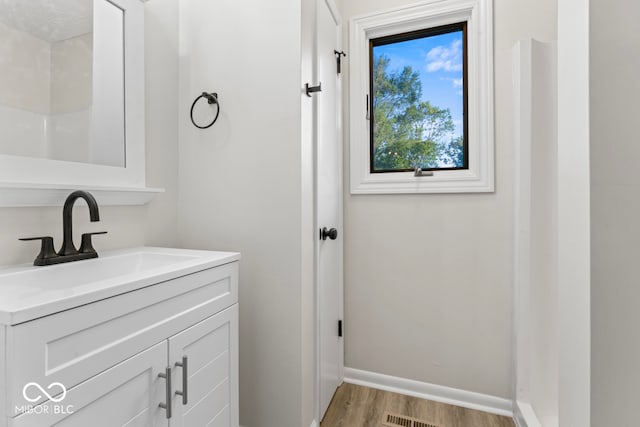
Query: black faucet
[67, 219]
[68, 251]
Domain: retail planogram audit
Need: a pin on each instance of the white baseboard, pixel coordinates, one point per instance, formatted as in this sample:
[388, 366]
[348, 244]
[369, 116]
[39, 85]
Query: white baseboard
[518, 418]
[438, 393]
[525, 416]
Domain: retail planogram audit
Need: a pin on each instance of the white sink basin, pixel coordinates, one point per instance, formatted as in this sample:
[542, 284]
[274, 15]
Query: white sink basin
[28, 292]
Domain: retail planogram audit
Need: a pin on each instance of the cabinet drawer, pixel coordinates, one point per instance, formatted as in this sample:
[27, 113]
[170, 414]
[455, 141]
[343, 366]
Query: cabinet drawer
[72, 346]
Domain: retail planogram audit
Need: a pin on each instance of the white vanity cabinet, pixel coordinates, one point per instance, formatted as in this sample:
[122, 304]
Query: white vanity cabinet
[161, 354]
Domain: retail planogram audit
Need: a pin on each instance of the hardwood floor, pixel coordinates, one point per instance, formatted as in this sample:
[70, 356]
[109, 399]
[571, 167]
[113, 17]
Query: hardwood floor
[357, 406]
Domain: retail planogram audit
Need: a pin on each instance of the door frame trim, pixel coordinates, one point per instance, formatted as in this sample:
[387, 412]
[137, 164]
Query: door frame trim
[339, 95]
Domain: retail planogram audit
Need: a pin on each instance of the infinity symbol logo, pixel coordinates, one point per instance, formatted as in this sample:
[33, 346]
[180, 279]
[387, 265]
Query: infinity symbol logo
[44, 392]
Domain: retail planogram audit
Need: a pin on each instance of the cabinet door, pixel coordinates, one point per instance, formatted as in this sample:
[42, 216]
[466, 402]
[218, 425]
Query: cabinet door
[127, 394]
[210, 349]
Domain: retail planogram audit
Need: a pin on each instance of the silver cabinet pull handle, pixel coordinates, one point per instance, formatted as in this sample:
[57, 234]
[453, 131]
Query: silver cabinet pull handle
[185, 379]
[167, 376]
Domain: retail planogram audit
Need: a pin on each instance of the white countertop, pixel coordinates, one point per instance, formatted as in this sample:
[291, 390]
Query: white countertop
[28, 292]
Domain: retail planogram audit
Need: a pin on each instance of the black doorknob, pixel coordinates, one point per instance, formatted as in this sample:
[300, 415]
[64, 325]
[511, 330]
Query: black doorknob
[332, 233]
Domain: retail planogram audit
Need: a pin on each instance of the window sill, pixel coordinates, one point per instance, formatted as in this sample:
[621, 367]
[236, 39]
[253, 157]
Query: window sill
[457, 181]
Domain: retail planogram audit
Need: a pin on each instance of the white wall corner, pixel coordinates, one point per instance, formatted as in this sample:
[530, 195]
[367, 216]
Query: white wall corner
[534, 230]
[574, 221]
[437, 393]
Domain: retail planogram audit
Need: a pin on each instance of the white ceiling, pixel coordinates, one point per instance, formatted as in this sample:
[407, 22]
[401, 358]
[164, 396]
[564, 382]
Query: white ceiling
[50, 20]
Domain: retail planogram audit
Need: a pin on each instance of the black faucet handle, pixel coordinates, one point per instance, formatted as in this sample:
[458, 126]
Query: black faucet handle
[46, 249]
[86, 245]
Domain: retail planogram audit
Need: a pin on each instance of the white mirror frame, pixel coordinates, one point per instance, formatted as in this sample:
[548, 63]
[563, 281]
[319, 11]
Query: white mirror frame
[27, 181]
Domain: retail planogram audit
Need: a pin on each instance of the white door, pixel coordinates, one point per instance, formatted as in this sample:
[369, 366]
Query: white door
[329, 202]
[204, 359]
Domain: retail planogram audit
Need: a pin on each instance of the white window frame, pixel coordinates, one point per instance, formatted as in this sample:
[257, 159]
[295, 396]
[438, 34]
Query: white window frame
[479, 17]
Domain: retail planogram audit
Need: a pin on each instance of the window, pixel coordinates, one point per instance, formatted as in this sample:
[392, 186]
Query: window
[418, 98]
[421, 96]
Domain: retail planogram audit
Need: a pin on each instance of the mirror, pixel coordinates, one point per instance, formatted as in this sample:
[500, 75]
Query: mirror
[62, 80]
[114, 126]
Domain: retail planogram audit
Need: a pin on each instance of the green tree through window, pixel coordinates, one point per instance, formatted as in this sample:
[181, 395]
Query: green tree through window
[409, 131]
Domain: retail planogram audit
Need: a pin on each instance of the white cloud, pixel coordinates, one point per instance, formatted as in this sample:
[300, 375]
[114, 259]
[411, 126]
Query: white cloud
[445, 58]
[456, 83]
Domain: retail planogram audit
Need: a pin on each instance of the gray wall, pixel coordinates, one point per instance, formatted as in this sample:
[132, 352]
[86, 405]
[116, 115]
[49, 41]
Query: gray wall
[615, 211]
[428, 277]
[154, 224]
[242, 188]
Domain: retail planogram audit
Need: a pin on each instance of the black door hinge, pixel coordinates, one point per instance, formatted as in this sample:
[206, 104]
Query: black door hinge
[339, 328]
[339, 56]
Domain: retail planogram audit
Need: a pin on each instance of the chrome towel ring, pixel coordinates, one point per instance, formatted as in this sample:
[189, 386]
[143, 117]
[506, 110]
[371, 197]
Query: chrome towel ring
[212, 98]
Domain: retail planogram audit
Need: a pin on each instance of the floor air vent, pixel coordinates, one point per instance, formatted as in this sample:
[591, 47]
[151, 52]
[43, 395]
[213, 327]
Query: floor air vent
[395, 420]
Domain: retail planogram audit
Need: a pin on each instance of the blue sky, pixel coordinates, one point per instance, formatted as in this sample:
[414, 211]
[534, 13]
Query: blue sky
[438, 60]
